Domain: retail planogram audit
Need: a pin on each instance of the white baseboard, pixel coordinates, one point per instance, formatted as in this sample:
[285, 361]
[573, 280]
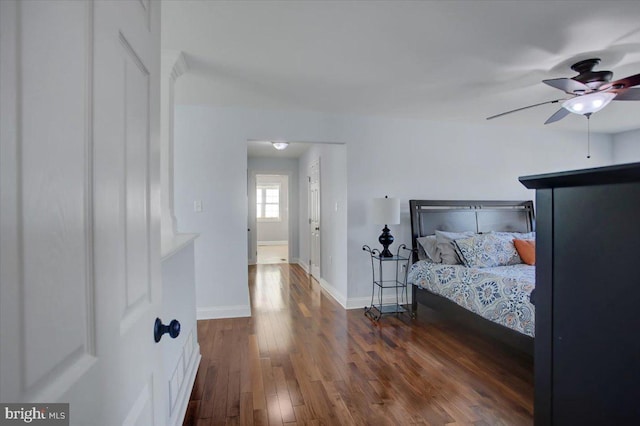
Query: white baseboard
[217, 312]
[326, 285]
[273, 243]
[333, 292]
[190, 379]
[351, 302]
[303, 265]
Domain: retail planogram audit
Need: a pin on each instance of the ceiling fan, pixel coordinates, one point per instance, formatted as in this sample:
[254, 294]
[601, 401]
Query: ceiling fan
[590, 91]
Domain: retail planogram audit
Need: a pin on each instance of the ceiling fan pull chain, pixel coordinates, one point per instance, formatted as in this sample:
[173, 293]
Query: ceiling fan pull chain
[588, 135]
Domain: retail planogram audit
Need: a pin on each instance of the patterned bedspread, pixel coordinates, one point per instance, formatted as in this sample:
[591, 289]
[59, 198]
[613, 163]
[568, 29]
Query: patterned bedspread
[500, 294]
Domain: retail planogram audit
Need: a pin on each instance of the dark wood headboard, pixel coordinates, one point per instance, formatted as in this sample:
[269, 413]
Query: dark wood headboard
[427, 216]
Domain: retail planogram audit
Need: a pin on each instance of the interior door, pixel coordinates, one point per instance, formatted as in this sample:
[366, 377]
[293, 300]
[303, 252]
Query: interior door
[80, 259]
[314, 218]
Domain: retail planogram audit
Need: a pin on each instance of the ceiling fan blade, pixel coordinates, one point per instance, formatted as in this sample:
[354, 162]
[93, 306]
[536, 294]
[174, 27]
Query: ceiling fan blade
[559, 115]
[523, 108]
[622, 84]
[628, 95]
[567, 85]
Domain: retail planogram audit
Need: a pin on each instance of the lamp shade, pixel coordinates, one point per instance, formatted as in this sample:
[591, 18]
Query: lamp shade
[386, 211]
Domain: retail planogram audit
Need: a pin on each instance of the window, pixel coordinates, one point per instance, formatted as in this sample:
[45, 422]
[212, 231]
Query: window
[268, 202]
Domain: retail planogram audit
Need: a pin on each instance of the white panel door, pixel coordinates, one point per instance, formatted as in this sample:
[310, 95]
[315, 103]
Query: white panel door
[314, 218]
[80, 260]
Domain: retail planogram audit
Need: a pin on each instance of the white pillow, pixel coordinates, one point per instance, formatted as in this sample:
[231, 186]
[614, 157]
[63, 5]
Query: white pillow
[447, 248]
[428, 249]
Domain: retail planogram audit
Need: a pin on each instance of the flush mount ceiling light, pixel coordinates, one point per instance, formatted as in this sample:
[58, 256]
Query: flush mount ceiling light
[588, 104]
[280, 145]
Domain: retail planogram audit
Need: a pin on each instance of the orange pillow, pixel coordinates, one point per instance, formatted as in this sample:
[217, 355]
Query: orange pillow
[526, 250]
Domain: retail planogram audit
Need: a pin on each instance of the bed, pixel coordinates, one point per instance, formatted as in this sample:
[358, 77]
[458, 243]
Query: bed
[492, 299]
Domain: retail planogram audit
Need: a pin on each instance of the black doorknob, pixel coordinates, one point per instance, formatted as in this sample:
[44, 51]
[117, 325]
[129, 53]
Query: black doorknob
[159, 329]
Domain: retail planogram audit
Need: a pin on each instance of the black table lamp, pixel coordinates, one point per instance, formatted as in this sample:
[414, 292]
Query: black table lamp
[386, 211]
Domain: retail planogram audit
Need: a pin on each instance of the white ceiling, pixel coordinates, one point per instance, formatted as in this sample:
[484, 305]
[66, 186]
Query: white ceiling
[435, 60]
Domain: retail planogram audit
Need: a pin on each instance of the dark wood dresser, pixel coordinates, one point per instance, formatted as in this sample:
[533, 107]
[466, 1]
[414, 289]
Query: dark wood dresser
[587, 298]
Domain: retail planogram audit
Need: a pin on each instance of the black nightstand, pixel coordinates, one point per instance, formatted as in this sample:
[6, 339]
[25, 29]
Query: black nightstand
[397, 265]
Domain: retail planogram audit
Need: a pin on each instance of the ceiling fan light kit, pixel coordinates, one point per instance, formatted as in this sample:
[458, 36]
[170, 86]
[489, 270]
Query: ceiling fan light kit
[588, 104]
[590, 90]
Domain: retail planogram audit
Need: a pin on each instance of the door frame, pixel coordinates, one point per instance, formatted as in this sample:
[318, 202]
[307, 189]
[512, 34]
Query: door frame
[284, 212]
[252, 221]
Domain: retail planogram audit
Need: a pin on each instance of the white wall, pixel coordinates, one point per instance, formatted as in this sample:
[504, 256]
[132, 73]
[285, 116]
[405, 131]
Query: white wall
[278, 230]
[396, 157]
[210, 164]
[333, 216]
[282, 166]
[426, 160]
[626, 147]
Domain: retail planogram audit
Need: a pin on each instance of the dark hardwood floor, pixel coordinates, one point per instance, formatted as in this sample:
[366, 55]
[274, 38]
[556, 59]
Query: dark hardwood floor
[302, 359]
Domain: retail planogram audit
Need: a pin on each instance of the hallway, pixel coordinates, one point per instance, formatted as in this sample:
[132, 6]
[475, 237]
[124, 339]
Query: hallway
[273, 254]
[303, 359]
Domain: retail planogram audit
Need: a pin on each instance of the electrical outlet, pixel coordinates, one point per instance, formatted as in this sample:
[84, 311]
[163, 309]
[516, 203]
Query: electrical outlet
[197, 206]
